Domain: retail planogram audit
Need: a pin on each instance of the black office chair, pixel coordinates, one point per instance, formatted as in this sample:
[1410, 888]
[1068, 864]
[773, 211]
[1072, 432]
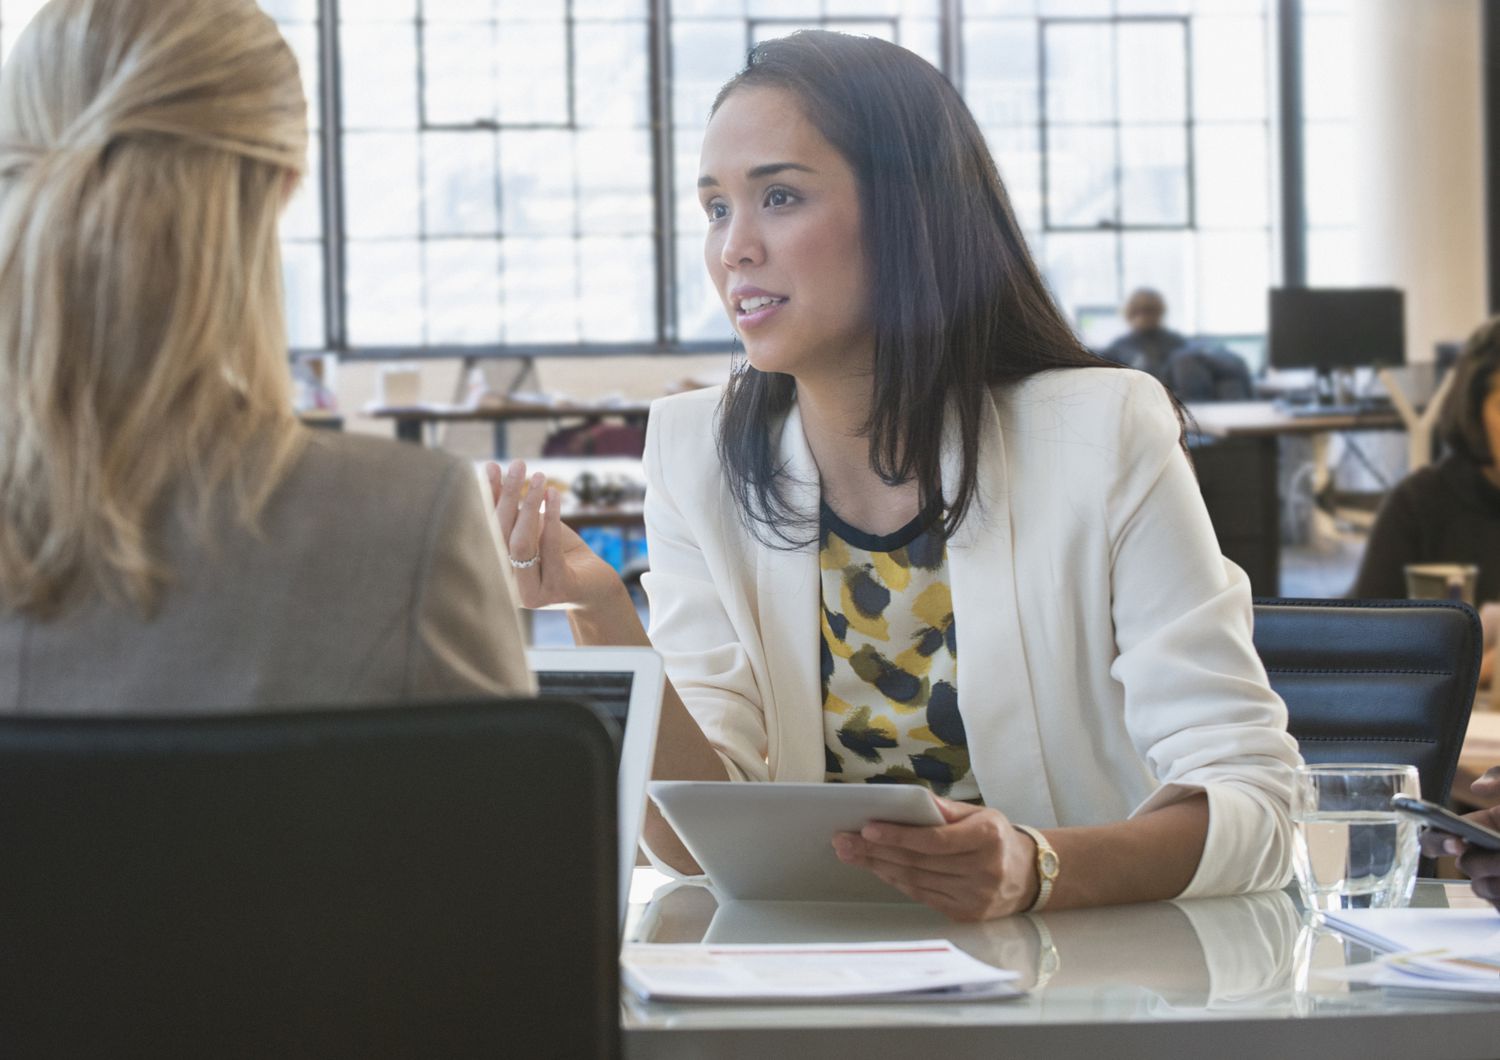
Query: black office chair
[1375, 680]
[435, 881]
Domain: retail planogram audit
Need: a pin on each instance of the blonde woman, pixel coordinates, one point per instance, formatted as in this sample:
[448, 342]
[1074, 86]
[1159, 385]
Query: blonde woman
[170, 538]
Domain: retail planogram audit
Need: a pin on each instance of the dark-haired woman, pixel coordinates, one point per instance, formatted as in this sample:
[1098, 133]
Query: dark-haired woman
[923, 536]
[1449, 512]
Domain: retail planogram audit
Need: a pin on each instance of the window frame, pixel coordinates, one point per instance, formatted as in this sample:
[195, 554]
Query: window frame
[1283, 14]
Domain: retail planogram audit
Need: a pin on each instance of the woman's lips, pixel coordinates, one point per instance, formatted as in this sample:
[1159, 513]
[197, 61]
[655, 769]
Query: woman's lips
[758, 317]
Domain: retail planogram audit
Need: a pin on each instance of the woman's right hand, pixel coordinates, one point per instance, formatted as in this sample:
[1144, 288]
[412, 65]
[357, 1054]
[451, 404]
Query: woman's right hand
[566, 571]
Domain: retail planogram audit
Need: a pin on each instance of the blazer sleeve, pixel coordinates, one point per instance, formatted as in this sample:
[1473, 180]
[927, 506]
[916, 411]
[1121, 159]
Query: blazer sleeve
[1198, 705]
[465, 636]
[703, 652]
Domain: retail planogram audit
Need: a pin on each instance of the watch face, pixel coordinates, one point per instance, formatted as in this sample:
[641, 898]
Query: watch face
[1048, 863]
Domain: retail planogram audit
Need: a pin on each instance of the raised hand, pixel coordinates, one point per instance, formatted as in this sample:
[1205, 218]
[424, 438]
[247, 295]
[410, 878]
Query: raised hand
[553, 566]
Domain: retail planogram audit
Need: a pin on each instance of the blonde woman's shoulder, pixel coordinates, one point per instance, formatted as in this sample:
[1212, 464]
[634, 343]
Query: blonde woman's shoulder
[355, 480]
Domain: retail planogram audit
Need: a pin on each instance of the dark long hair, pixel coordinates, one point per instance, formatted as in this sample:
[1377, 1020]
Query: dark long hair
[1462, 423]
[958, 303]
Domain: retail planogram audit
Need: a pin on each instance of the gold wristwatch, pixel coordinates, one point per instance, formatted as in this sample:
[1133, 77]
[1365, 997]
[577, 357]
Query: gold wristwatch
[1047, 867]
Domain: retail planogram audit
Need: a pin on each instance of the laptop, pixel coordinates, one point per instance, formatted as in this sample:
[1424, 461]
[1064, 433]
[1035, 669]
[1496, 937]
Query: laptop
[627, 684]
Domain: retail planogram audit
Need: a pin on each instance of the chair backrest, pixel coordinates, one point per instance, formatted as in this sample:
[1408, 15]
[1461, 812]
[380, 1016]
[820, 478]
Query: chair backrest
[434, 881]
[1375, 680]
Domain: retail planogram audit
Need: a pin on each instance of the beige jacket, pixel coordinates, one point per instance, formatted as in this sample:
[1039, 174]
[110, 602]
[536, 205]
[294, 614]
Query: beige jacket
[375, 579]
[1105, 664]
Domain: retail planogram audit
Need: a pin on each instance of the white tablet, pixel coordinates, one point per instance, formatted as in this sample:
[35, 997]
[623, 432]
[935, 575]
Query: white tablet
[625, 683]
[774, 842]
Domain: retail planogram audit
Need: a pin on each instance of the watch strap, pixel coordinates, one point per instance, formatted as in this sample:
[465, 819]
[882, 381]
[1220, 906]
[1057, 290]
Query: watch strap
[1047, 866]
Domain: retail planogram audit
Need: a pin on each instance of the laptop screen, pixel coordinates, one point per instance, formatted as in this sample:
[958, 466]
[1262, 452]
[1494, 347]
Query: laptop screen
[609, 691]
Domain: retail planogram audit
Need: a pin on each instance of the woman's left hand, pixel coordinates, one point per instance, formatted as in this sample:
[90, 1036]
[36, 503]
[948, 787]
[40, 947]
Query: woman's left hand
[978, 866]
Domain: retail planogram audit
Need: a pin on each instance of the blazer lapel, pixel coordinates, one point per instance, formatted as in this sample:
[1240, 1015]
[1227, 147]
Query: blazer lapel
[788, 588]
[995, 691]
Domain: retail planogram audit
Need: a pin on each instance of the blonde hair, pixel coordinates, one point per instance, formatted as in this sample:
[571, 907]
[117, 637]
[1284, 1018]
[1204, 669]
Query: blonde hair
[146, 149]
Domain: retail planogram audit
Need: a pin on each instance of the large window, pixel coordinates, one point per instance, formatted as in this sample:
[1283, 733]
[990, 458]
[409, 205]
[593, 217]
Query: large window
[517, 175]
[1134, 138]
[497, 172]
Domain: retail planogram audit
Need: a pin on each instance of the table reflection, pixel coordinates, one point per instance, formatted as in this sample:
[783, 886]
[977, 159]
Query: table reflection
[1250, 954]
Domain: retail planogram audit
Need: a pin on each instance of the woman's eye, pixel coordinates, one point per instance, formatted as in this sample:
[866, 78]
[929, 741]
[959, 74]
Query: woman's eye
[779, 197]
[716, 211]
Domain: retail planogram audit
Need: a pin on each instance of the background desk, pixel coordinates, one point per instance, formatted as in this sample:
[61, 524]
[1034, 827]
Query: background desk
[1235, 449]
[1227, 978]
[410, 421]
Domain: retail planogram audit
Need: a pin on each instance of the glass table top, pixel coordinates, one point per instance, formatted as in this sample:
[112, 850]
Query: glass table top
[1253, 956]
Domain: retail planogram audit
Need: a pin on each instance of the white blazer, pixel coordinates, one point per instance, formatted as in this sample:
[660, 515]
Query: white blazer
[1105, 664]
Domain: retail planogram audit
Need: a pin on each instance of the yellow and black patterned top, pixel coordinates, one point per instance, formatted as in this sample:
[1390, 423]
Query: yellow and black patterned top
[890, 659]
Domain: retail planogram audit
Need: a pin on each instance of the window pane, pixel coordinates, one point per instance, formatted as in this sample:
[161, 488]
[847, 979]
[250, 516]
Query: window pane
[1000, 74]
[1081, 178]
[459, 184]
[533, 65]
[1073, 7]
[1230, 78]
[1233, 275]
[379, 11]
[541, 290]
[385, 294]
[688, 215]
[1019, 159]
[610, 74]
[1080, 73]
[379, 64]
[700, 314]
[302, 269]
[923, 36]
[537, 180]
[303, 216]
[1153, 72]
[381, 197]
[1083, 270]
[280, 10]
[458, 10]
[1164, 261]
[1153, 176]
[458, 73]
[860, 8]
[1233, 176]
[985, 8]
[614, 182]
[463, 292]
[704, 56]
[617, 288]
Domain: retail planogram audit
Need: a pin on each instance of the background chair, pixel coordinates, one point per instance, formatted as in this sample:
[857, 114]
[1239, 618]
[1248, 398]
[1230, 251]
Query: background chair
[1375, 680]
[402, 882]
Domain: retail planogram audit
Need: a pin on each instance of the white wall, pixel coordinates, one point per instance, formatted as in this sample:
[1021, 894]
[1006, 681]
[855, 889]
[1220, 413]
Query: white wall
[1419, 168]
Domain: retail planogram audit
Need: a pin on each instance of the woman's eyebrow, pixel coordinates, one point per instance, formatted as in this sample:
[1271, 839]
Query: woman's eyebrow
[770, 169]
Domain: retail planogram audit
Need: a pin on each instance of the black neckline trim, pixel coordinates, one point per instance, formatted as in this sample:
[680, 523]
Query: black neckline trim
[897, 539]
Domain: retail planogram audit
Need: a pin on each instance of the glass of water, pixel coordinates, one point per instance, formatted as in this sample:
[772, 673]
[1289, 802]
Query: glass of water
[1352, 851]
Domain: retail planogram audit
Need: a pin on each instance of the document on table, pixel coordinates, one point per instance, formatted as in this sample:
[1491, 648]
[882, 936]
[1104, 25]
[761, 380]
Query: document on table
[930, 970]
[1405, 930]
[1447, 952]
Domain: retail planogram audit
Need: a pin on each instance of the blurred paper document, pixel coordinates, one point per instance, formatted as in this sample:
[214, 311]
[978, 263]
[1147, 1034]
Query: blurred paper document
[932, 970]
[1405, 930]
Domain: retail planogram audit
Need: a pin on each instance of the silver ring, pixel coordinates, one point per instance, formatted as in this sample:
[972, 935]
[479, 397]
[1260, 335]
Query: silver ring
[525, 564]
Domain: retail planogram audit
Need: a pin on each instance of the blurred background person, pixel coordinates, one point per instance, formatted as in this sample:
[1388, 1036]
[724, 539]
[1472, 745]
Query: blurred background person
[1449, 511]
